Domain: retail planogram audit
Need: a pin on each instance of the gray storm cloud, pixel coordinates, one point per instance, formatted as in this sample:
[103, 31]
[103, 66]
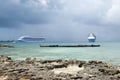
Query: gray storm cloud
[17, 12]
[60, 20]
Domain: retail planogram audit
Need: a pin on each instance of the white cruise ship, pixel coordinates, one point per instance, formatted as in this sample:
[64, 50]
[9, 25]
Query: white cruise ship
[91, 37]
[30, 39]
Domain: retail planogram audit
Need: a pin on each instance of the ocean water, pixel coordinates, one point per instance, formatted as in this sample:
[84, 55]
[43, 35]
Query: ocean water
[108, 52]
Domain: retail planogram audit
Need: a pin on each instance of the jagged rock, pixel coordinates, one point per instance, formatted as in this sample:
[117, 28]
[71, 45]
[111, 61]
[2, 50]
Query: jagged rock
[6, 45]
[25, 77]
[95, 62]
[50, 61]
[37, 69]
[50, 67]
[5, 59]
[109, 71]
[76, 77]
[60, 65]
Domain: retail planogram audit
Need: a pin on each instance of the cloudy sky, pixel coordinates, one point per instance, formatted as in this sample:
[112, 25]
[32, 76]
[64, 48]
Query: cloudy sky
[60, 20]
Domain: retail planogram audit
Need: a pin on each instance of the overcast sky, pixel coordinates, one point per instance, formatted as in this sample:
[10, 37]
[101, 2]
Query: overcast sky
[60, 20]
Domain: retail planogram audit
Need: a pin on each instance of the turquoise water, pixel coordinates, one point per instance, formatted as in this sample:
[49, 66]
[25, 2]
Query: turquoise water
[109, 52]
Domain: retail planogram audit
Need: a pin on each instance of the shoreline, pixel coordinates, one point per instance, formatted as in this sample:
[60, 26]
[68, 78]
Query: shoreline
[6, 45]
[39, 69]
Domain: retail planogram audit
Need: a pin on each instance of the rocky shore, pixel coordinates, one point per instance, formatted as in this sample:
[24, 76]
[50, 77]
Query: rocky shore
[38, 69]
[6, 45]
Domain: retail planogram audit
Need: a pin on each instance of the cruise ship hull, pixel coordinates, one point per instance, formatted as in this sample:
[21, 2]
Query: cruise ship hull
[91, 40]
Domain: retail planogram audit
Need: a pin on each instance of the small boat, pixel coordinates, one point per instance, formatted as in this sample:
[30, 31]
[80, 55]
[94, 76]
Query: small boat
[30, 39]
[91, 37]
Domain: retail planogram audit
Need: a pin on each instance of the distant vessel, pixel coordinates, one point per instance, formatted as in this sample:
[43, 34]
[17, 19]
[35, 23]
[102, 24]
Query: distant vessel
[30, 39]
[91, 37]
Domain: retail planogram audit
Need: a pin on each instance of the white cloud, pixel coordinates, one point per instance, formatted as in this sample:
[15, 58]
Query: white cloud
[113, 14]
[86, 11]
[44, 3]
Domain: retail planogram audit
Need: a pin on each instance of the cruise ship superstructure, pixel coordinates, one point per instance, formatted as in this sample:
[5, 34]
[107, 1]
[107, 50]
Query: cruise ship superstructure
[30, 39]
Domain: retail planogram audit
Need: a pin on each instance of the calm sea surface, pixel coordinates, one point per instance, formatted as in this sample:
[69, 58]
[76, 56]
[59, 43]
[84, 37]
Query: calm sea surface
[109, 52]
